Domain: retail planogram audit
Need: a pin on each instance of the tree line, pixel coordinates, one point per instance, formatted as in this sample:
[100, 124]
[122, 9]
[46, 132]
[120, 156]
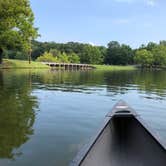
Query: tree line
[150, 55]
[18, 34]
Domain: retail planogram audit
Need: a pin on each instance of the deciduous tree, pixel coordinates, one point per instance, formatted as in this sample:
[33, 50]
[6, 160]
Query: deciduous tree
[16, 25]
[144, 57]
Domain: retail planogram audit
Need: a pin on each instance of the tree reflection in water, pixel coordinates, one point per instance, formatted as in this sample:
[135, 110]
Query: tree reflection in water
[115, 82]
[18, 106]
[17, 112]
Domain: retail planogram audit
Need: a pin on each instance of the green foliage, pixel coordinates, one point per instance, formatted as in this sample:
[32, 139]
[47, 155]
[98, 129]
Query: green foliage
[91, 55]
[56, 56]
[47, 57]
[5, 54]
[118, 54]
[144, 57]
[163, 42]
[63, 58]
[151, 46]
[74, 58]
[152, 55]
[55, 52]
[15, 54]
[114, 54]
[21, 55]
[86, 52]
[16, 25]
[37, 49]
[159, 54]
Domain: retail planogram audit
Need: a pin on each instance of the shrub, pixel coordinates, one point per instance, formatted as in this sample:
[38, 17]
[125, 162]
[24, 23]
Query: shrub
[144, 57]
[74, 58]
[47, 57]
[63, 58]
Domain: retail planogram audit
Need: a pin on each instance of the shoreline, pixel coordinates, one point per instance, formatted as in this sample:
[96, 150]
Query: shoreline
[22, 64]
[114, 67]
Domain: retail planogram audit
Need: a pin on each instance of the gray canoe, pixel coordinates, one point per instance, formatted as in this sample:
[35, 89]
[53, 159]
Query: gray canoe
[123, 140]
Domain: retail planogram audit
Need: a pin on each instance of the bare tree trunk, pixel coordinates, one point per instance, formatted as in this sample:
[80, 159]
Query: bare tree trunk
[29, 56]
[29, 59]
[1, 52]
[1, 79]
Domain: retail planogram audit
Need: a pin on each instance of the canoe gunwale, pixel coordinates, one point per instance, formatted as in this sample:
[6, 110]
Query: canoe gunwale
[81, 155]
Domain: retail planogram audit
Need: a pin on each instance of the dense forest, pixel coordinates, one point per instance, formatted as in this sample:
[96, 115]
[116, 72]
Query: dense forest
[149, 55]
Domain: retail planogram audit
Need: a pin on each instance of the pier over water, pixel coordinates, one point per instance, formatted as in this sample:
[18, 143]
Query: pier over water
[69, 66]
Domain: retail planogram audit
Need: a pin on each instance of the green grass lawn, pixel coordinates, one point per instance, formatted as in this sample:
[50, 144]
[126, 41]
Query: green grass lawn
[114, 67]
[14, 64]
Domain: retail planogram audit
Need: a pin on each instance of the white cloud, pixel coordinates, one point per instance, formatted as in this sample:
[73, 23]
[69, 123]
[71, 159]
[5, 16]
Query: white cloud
[92, 44]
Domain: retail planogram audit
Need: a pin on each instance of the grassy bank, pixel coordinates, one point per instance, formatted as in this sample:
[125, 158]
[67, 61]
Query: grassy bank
[14, 64]
[113, 67]
[20, 64]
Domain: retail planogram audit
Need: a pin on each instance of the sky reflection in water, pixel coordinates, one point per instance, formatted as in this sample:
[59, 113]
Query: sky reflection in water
[46, 116]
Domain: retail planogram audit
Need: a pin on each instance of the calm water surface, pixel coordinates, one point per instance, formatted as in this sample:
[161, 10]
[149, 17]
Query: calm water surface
[46, 117]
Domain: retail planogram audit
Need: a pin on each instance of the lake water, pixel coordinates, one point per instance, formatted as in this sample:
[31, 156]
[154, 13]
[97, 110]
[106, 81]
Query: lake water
[47, 116]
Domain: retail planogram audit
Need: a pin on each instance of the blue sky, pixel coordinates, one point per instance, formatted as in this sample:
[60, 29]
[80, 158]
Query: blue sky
[133, 22]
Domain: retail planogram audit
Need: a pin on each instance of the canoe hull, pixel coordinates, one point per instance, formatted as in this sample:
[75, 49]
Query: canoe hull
[123, 140]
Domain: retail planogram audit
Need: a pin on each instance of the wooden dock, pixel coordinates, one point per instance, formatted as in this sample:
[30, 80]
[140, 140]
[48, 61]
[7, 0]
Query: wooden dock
[69, 66]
